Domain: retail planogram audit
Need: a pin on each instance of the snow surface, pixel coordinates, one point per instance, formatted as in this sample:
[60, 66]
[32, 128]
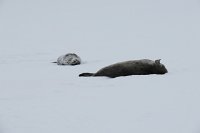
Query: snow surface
[37, 96]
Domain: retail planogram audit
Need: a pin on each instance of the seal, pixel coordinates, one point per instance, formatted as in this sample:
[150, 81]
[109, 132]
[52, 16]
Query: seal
[133, 67]
[68, 59]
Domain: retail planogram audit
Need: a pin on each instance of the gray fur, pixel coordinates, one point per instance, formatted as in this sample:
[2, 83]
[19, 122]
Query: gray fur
[134, 67]
[68, 59]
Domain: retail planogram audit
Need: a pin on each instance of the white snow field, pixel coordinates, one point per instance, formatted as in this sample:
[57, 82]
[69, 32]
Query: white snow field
[37, 96]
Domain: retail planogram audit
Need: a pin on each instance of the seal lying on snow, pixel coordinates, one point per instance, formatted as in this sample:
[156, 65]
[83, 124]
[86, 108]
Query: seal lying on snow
[68, 59]
[134, 67]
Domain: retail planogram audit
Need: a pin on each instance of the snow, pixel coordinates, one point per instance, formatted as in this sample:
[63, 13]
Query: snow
[40, 96]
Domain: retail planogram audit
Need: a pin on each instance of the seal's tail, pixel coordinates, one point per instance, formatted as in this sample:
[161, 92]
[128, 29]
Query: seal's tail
[86, 74]
[54, 62]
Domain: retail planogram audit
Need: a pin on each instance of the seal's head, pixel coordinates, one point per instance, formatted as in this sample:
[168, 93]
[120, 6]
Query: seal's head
[159, 67]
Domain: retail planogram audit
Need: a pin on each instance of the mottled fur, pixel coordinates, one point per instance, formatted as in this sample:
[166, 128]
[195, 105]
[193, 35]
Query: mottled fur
[68, 59]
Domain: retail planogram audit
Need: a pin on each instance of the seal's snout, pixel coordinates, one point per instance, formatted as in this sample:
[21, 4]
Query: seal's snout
[75, 62]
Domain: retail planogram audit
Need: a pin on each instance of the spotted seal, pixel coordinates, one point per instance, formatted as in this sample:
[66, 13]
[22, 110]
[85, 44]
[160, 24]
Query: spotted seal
[133, 67]
[68, 59]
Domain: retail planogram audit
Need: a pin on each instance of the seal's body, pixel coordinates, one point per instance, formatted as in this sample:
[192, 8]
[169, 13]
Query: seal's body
[134, 67]
[69, 59]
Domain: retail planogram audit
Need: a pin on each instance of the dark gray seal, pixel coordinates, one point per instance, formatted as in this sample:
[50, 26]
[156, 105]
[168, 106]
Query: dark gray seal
[134, 67]
[68, 59]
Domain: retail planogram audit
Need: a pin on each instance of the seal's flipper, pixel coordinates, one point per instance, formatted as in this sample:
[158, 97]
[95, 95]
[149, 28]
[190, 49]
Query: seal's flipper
[86, 74]
[157, 61]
